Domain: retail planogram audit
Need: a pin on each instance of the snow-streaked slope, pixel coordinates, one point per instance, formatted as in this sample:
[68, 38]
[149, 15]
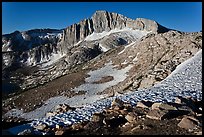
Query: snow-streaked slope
[126, 47]
[188, 79]
[80, 100]
[29, 39]
[128, 31]
[185, 81]
[44, 62]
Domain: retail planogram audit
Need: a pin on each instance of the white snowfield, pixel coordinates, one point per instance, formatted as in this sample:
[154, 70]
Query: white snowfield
[185, 81]
[125, 31]
[96, 75]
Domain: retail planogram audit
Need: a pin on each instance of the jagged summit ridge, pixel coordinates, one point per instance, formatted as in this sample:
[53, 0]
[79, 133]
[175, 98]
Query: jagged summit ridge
[109, 20]
[106, 21]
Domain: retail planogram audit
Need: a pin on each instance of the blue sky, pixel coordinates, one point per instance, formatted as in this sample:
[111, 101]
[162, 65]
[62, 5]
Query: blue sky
[183, 16]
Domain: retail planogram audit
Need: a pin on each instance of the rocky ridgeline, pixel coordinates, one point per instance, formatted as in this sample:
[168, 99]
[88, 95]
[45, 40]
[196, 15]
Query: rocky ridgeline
[105, 21]
[184, 116]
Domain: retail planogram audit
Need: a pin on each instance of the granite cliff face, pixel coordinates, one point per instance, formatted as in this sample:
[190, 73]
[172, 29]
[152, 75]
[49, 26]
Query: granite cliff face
[105, 21]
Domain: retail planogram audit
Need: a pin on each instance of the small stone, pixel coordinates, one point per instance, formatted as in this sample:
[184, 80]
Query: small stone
[130, 117]
[59, 132]
[57, 126]
[97, 117]
[41, 126]
[59, 110]
[128, 107]
[49, 114]
[139, 127]
[77, 126]
[178, 100]
[124, 112]
[116, 108]
[162, 106]
[198, 133]
[126, 124]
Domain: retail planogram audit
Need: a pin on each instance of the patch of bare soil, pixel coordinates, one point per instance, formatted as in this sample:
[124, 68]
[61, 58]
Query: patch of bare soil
[104, 80]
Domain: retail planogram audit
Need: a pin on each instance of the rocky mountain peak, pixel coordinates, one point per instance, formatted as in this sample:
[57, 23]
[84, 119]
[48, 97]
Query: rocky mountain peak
[76, 44]
[105, 21]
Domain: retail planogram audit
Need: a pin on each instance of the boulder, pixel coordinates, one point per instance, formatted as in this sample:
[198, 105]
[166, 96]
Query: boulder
[144, 104]
[155, 105]
[187, 123]
[162, 106]
[165, 106]
[156, 114]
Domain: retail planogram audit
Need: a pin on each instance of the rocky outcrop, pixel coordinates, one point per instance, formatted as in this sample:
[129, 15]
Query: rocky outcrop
[136, 121]
[153, 58]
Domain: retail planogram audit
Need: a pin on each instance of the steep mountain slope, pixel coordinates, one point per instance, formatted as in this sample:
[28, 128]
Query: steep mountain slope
[37, 56]
[133, 67]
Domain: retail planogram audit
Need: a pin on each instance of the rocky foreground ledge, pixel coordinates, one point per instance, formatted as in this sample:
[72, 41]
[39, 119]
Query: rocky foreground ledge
[182, 117]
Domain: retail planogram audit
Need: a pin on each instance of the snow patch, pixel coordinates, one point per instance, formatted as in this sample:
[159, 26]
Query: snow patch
[135, 33]
[104, 49]
[53, 59]
[184, 64]
[136, 58]
[108, 70]
[126, 47]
